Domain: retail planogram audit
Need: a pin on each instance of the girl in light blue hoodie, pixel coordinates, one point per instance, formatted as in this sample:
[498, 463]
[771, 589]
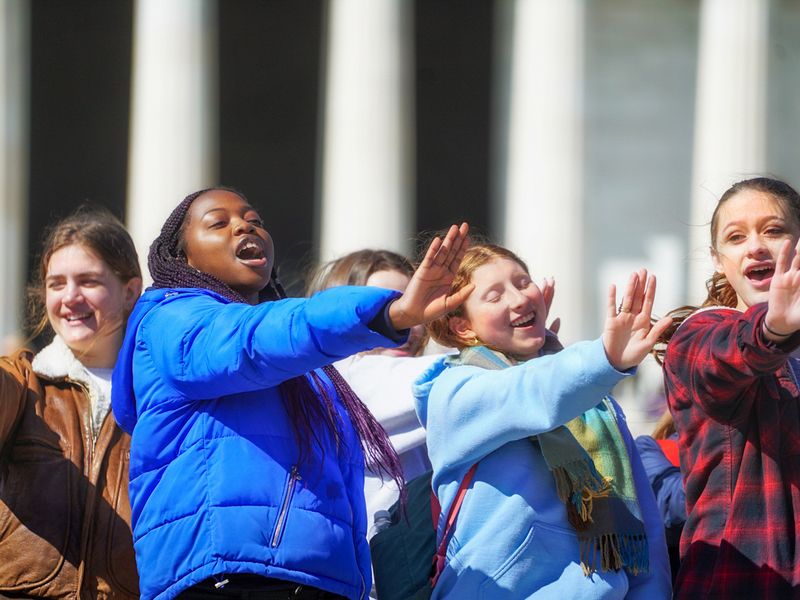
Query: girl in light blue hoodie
[559, 506]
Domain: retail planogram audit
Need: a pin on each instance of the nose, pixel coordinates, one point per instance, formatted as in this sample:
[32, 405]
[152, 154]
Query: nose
[72, 293]
[243, 226]
[516, 299]
[756, 245]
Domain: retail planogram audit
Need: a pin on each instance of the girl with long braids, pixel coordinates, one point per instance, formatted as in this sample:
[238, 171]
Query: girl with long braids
[731, 382]
[248, 452]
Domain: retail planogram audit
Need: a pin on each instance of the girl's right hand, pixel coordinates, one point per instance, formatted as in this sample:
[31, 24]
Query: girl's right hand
[628, 335]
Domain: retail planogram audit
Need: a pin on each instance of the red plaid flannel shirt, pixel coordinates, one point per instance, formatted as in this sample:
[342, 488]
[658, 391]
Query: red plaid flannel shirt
[736, 405]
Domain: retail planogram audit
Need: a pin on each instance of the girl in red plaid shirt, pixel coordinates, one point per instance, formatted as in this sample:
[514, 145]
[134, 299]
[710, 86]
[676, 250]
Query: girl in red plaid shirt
[732, 387]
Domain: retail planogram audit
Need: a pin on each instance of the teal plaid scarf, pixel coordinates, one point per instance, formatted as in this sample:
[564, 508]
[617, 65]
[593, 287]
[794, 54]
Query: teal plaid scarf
[593, 477]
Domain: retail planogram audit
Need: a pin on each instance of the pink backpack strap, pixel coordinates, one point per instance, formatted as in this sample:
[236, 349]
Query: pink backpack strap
[439, 559]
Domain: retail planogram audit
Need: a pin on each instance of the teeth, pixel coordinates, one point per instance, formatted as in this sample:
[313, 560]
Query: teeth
[523, 320]
[78, 317]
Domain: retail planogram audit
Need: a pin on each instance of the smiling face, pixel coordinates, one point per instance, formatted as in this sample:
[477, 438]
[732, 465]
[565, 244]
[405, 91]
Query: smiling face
[505, 311]
[751, 226]
[87, 304]
[225, 237]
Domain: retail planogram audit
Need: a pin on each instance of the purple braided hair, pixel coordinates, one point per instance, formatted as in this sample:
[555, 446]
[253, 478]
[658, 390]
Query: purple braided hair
[305, 406]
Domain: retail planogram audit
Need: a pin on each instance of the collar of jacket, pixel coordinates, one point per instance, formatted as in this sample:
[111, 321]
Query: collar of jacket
[57, 362]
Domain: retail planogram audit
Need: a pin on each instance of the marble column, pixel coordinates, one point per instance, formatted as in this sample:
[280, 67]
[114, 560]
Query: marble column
[730, 116]
[538, 189]
[14, 118]
[366, 189]
[173, 134]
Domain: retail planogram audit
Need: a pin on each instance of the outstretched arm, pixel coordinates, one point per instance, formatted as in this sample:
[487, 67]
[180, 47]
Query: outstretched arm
[628, 335]
[427, 296]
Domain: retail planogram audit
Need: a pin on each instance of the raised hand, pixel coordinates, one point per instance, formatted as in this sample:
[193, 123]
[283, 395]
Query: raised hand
[628, 335]
[427, 296]
[783, 312]
[548, 291]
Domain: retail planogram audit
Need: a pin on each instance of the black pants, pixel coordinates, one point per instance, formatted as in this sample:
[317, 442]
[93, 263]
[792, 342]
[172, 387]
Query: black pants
[253, 587]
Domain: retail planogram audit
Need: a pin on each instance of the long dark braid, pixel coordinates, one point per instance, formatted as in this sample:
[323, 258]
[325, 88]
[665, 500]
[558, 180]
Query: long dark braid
[169, 268]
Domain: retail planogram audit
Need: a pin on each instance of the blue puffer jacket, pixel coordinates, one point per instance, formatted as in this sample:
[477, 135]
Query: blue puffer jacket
[216, 483]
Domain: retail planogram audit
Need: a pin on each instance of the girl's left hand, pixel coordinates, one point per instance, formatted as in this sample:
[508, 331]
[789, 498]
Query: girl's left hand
[427, 296]
[629, 334]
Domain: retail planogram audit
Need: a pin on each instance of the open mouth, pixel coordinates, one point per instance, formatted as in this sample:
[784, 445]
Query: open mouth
[524, 320]
[760, 272]
[248, 250]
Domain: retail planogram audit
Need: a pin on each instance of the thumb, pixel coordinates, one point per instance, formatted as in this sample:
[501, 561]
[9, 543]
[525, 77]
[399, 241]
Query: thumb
[555, 326]
[455, 300]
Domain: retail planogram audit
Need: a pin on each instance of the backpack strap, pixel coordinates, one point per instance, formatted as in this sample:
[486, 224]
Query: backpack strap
[439, 559]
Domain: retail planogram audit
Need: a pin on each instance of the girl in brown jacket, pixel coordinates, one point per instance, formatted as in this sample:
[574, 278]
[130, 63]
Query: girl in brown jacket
[64, 510]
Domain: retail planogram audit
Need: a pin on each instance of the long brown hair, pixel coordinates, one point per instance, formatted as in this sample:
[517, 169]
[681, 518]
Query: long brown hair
[97, 230]
[718, 288]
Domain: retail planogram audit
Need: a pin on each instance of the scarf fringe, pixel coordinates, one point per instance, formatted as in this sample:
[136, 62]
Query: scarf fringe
[578, 484]
[615, 552]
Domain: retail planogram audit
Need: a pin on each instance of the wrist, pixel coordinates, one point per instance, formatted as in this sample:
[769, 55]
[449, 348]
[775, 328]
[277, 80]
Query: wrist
[774, 333]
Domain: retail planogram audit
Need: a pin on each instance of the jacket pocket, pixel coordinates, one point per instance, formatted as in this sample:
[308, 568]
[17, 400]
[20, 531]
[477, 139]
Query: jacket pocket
[38, 521]
[283, 510]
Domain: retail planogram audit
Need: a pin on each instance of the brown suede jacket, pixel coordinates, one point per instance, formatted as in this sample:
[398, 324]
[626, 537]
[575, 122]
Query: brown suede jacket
[64, 512]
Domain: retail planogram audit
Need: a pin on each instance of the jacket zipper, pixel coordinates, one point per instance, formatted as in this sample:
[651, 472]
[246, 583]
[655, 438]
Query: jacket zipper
[280, 524]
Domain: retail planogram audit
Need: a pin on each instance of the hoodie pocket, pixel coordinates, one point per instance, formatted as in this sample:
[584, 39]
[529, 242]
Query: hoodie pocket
[283, 510]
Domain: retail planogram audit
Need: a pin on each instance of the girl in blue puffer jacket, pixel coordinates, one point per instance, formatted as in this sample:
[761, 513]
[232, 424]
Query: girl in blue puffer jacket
[247, 455]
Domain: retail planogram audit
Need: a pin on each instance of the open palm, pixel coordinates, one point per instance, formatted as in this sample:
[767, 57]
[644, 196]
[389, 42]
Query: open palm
[427, 296]
[629, 335]
[783, 313]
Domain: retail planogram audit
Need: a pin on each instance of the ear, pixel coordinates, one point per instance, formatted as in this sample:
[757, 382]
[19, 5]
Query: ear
[462, 329]
[715, 259]
[133, 289]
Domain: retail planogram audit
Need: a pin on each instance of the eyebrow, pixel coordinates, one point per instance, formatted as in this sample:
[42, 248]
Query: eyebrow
[248, 208]
[83, 274]
[738, 223]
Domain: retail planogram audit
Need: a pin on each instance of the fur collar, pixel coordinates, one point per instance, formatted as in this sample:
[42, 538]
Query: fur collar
[57, 362]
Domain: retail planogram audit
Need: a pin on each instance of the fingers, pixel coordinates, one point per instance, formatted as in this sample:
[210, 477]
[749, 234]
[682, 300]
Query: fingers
[555, 326]
[796, 259]
[463, 245]
[611, 307]
[548, 291]
[430, 254]
[657, 330]
[782, 263]
[451, 245]
[453, 301]
[639, 292]
[649, 297]
[627, 304]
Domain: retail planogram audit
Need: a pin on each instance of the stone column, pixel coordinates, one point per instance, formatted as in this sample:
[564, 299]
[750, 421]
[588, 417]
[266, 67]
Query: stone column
[730, 117]
[173, 136]
[14, 100]
[540, 121]
[367, 182]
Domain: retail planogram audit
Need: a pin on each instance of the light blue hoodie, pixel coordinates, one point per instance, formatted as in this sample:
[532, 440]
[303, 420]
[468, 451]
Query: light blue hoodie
[512, 539]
